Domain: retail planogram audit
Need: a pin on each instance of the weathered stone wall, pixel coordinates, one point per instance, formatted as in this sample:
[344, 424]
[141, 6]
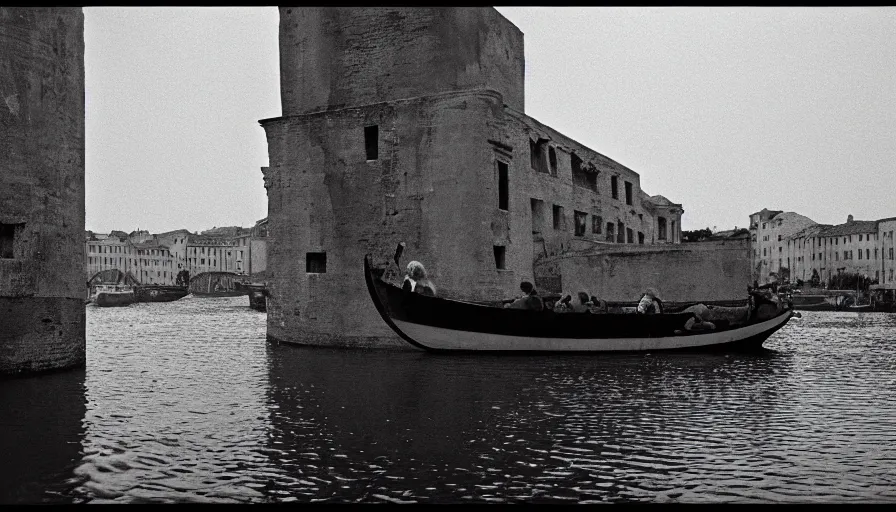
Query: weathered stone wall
[42, 323]
[535, 236]
[431, 187]
[685, 272]
[334, 57]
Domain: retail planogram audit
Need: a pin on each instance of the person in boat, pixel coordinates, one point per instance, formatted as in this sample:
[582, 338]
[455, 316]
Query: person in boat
[415, 280]
[530, 299]
[596, 305]
[563, 305]
[579, 304]
[650, 302]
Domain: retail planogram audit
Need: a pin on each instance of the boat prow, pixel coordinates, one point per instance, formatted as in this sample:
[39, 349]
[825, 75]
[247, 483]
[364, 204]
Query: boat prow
[441, 325]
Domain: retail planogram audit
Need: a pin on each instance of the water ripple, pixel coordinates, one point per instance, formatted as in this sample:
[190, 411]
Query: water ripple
[187, 402]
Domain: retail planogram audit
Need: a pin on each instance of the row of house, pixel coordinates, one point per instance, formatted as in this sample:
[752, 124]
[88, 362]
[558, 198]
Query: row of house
[159, 258]
[795, 244]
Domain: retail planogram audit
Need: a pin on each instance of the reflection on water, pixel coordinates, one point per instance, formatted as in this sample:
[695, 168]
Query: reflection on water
[186, 401]
[40, 436]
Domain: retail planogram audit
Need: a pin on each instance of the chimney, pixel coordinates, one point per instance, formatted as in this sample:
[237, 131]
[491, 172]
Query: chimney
[848, 219]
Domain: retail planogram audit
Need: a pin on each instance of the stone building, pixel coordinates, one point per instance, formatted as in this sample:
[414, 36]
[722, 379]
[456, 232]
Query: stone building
[769, 230]
[149, 261]
[158, 258]
[887, 245]
[42, 318]
[408, 124]
[806, 248]
[176, 241]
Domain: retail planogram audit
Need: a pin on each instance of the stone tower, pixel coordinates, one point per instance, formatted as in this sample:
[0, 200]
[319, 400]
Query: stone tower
[388, 116]
[42, 291]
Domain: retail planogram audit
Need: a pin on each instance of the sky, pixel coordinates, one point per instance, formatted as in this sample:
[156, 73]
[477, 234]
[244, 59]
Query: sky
[726, 110]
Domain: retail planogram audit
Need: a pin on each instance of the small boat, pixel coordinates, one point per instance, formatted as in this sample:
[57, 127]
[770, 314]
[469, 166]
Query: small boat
[883, 297]
[159, 293]
[440, 325]
[113, 296]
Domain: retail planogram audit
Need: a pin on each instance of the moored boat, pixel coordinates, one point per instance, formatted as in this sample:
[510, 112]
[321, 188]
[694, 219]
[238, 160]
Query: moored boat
[159, 293]
[113, 296]
[439, 325]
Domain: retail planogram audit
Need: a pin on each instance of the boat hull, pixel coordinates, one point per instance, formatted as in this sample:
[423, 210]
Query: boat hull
[114, 299]
[227, 293]
[444, 325]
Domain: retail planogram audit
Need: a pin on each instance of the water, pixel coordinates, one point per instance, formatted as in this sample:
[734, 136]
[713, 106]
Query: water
[187, 402]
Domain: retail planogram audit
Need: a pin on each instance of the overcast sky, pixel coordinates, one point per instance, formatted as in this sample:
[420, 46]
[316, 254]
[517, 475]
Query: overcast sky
[725, 110]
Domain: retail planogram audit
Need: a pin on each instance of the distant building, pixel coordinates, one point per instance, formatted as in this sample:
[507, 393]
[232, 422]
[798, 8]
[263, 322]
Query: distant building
[176, 241]
[769, 230]
[158, 258]
[794, 245]
[154, 263]
[886, 274]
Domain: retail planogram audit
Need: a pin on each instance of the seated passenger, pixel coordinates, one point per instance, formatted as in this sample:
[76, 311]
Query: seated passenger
[580, 304]
[415, 280]
[696, 323]
[563, 305]
[530, 299]
[650, 303]
[596, 305]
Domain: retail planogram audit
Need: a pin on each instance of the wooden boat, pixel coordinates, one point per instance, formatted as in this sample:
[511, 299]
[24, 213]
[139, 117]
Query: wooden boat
[859, 308]
[883, 297]
[159, 293]
[113, 296]
[439, 325]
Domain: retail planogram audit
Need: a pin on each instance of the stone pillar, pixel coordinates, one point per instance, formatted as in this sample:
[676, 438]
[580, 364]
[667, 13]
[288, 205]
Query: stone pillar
[42, 289]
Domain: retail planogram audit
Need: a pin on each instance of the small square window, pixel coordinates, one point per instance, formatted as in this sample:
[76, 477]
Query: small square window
[316, 262]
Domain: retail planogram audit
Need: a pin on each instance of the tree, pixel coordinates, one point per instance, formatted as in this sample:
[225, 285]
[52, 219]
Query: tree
[696, 235]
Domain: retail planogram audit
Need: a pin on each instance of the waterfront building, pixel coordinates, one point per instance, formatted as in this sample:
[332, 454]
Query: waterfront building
[108, 252]
[206, 253]
[149, 262]
[176, 241]
[886, 274]
[413, 129]
[769, 230]
[42, 287]
[794, 246]
[158, 258]
[825, 251]
[154, 263]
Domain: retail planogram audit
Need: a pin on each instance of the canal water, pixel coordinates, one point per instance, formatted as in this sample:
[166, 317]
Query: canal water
[187, 402]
